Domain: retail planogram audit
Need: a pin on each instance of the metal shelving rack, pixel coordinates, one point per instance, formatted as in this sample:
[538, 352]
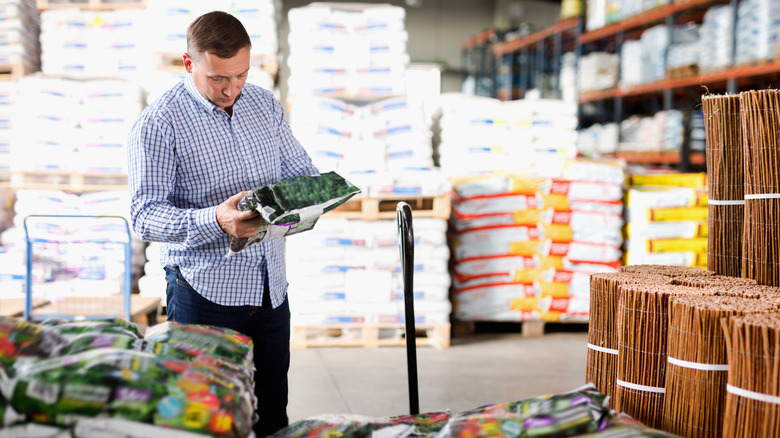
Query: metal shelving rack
[519, 65]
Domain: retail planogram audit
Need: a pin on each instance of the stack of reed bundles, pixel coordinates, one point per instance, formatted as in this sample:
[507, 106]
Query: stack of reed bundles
[668, 270]
[713, 281]
[753, 391]
[696, 369]
[642, 337]
[760, 113]
[601, 366]
[725, 184]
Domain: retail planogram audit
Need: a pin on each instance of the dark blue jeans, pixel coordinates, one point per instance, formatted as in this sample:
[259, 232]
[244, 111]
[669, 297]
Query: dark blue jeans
[269, 329]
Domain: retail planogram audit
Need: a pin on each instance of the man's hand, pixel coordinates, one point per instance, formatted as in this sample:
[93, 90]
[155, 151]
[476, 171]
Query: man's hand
[236, 222]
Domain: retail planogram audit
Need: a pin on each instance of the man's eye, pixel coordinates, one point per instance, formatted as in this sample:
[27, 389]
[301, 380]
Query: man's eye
[218, 79]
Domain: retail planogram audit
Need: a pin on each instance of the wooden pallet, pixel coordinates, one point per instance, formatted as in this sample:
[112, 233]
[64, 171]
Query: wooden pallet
[170, 61]
[15, 71]
[365, 208]
[75, 182]
[367, 335]
[99, 5]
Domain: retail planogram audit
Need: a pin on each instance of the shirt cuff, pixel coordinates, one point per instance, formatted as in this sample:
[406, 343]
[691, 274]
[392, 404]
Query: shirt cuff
[206, 219]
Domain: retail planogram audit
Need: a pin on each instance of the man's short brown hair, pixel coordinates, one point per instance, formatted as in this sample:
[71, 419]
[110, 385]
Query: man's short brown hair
[217, 33]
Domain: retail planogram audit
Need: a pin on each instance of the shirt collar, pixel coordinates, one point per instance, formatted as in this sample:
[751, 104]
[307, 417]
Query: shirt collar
[189, 84]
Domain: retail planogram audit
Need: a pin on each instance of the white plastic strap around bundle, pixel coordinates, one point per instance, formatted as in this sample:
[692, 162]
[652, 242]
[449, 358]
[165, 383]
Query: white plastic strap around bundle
[716, 202]
[698, 366]
[753, 395]
[644, 388]
[602, 349]
[763, 196]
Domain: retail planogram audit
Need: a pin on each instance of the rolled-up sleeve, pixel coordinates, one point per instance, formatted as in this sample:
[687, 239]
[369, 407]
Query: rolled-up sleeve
[152, 180]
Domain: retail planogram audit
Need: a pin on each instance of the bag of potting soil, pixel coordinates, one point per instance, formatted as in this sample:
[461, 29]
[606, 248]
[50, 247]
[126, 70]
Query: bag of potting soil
[425, 425]
[91, 341]
[107, 326]
[573, 413]
[134, 386]
[208, 344]
[23, 341]
[292, 206]
[352, 426]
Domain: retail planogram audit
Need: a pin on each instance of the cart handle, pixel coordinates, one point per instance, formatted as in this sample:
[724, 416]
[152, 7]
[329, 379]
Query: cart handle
[406, 247]
[29, 260]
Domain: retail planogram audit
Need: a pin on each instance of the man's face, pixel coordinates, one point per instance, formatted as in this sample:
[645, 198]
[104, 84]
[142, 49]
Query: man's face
[220, 80]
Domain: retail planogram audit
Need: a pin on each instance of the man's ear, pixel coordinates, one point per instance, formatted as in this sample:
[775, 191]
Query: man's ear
[187, 62]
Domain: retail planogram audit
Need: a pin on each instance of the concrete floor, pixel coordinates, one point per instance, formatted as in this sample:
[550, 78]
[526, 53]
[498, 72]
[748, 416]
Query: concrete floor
[475, 371]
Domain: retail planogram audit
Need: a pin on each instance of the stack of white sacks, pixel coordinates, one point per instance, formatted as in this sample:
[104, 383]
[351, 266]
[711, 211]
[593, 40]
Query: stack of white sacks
[74, 125]
[348, 271]
[19, 30]
[344, 49]
[758, 34]
[477, 135]
[8, 97]
[383, 147]
[598, 71]
[716, 38]
[524, 247]
[84, 44]
[71, 256]
[166, 26]
[662, 132]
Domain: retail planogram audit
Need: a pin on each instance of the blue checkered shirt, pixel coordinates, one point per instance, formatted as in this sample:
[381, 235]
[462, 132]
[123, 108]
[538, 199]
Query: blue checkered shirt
[185, 157]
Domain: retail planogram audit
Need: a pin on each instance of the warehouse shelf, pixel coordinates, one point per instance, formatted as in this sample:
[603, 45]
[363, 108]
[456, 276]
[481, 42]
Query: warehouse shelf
[645, 19]
[99, 5]
[733, 73]
[520, 43]
[672, 158]
[478, 39]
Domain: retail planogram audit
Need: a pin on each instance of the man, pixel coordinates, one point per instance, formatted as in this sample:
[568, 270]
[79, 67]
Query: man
[193, 154]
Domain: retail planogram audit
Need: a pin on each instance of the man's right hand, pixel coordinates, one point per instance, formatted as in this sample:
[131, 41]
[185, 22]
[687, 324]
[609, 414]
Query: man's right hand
[236, 222]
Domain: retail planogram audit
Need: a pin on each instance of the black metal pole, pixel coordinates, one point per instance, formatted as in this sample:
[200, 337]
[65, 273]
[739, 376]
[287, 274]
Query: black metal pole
[406, 242]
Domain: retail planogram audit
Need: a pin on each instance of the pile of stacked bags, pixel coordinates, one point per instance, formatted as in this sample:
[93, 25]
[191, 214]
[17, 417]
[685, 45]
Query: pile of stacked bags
[581, 412]
[102, 378]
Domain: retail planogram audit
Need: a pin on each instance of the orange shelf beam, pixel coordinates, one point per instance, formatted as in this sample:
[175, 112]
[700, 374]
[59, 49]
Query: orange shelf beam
[515, 45]
[702, 79]
[655, 15]
[478, 39]
[696, 158]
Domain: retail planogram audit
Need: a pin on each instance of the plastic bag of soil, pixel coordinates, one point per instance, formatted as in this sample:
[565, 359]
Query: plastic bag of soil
[292, 206]
[92, 341]
[21, 341]
[425, 425]
[134, 386]
[106, 326]
[573, 413]
[352, 426]
[208, 344]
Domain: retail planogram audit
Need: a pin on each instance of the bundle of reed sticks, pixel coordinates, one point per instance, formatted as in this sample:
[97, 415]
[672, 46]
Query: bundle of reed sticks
[713, 281]
[753, 391]
[668, 270]
[725, 184]
[602, 334]
[696, 369]
[642, 336]
[760, 112]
